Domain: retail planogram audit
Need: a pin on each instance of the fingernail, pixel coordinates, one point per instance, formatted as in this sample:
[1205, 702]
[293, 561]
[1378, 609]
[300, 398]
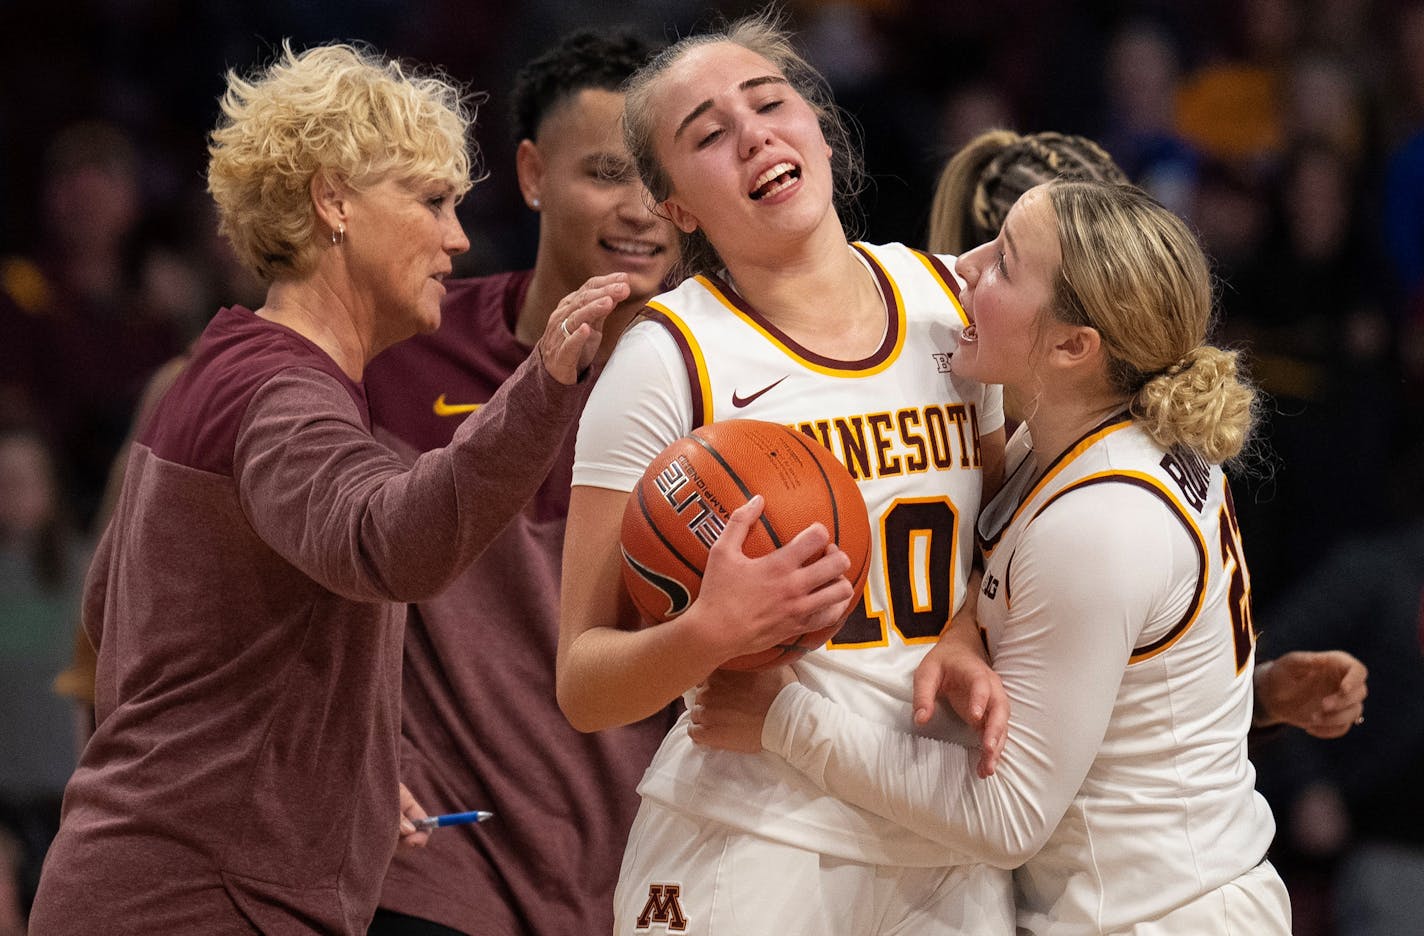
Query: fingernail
[407, 826]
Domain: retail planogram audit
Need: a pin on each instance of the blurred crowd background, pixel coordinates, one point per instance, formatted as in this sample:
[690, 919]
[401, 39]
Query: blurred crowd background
[1290, 133]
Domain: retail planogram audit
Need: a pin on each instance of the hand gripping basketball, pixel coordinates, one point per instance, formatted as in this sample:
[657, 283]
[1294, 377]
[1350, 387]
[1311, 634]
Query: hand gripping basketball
[684, 503]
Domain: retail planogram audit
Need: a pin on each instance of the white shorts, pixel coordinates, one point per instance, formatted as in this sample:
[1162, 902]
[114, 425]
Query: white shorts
[1254, 904]
[686, 875]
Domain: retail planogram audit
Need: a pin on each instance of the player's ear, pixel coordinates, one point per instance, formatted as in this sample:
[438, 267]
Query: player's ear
[529, 167]
[685, 221]
[1076, 344]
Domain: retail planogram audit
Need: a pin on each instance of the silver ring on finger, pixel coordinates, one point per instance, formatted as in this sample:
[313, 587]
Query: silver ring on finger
[564, 327]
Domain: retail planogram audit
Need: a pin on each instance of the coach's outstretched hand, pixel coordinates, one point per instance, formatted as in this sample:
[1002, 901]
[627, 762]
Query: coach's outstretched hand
[575, 329]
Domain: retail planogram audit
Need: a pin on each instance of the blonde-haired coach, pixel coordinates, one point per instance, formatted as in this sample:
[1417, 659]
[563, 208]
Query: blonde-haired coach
[246, 599]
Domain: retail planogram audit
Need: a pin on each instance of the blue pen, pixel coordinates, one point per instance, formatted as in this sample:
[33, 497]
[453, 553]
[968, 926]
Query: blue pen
[454, 818]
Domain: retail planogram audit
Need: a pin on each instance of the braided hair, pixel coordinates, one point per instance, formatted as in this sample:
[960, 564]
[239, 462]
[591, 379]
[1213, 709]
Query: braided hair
[983, 180]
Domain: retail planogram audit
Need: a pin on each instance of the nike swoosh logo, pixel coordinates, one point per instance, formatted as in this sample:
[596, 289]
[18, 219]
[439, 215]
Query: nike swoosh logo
[453, 409]
[740, 401]
[677, 595]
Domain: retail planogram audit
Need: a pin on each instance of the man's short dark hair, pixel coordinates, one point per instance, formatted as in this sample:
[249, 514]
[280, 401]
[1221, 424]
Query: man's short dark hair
[580, 60]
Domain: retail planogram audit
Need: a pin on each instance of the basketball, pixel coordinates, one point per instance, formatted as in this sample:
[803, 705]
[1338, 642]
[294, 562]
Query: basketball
[681, 505]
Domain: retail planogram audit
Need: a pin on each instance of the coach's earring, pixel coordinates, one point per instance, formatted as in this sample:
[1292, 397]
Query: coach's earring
[338, 236]
[534, 203]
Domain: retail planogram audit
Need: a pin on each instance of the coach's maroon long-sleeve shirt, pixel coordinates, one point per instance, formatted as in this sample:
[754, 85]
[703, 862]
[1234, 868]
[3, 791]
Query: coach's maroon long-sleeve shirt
[245, 601]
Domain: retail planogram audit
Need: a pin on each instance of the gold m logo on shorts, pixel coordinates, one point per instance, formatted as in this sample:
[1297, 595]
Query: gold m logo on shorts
[663, 906]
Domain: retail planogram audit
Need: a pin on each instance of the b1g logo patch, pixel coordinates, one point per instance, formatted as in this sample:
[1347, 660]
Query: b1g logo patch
[664, 906]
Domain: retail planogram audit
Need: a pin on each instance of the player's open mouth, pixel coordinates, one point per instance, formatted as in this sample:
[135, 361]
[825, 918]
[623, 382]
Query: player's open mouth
[632, 248]
[780, 176]
[969, 335]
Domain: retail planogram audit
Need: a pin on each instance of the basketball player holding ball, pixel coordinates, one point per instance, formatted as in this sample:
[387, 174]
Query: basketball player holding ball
[674, 515]
[785, 321]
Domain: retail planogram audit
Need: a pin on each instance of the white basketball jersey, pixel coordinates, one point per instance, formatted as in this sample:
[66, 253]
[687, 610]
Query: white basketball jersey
[1168, 810]
[908, 431]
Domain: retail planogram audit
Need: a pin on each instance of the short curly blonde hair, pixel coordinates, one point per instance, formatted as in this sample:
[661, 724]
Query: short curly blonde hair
[338, 109]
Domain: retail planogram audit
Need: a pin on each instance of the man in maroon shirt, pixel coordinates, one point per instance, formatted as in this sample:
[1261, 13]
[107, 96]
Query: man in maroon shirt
[481, 728]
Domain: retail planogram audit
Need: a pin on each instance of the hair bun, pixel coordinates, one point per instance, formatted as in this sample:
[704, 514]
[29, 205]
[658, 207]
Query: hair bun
[1200, 401]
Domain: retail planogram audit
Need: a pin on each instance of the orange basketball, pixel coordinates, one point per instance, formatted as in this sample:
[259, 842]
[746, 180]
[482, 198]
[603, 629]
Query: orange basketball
[681, 505]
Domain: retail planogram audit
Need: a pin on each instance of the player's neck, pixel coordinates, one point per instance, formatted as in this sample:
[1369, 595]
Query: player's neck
[540, 299]
[828, 301]
[617, 322]
[545, 291]
[1055, 423]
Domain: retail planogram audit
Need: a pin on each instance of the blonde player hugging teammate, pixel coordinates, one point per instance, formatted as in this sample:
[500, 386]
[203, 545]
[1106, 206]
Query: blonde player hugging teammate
[1114, 601]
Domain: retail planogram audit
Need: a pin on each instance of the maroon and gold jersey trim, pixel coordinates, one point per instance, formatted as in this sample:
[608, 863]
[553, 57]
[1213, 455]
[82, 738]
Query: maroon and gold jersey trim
[1155, 487]
[1093, 437]
[692, 359]
[946, 280]
[883, 356]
